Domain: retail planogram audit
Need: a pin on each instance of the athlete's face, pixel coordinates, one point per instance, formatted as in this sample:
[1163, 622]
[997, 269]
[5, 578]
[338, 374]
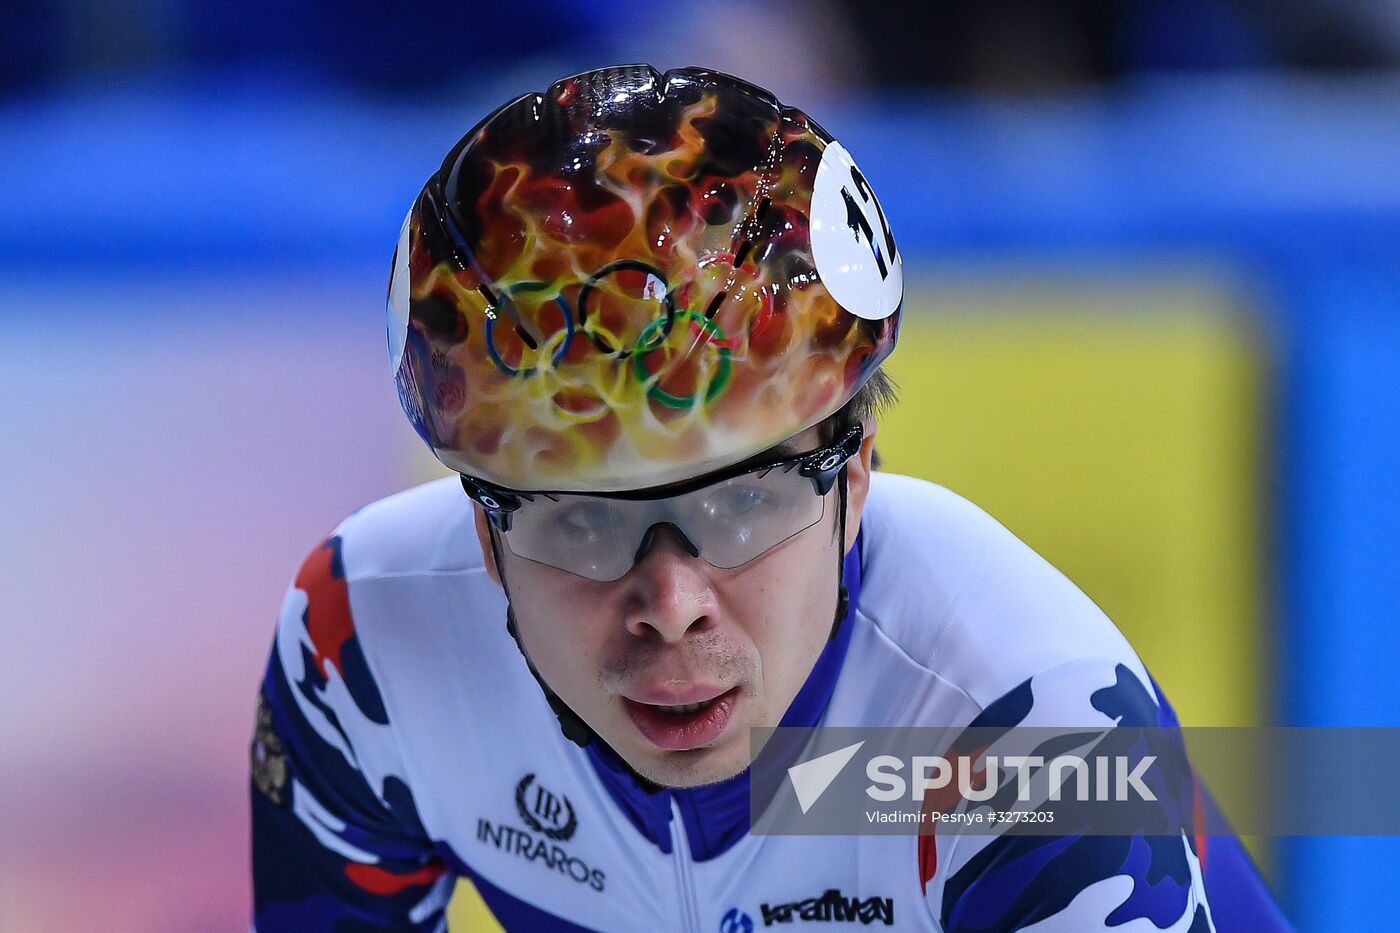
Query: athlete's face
[635, 655]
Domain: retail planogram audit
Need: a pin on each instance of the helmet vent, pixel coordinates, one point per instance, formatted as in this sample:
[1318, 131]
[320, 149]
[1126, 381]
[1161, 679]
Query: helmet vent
[742, 252]
[762, 210]
[715, 302]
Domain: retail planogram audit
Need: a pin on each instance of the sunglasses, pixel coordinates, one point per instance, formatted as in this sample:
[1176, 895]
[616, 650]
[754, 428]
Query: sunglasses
[728, 518]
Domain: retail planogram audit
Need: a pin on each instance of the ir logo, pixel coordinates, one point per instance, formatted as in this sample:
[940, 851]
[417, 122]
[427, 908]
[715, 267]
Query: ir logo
[543, 811]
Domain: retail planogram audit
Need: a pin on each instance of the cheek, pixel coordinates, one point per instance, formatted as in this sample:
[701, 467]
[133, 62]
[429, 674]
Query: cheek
[791, 597]
[555, 625]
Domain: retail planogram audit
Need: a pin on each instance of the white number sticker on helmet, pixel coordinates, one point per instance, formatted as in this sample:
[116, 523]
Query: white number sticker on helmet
[852, 245]
[398, 300]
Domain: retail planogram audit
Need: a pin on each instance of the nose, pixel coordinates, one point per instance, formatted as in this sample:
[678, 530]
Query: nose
[669, 594]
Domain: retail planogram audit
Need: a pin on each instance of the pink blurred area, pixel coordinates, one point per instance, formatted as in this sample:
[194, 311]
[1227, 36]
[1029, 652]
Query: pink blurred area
[172, 450]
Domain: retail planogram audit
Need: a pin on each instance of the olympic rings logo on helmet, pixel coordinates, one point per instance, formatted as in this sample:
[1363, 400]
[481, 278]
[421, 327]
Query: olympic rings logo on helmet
[651, 339]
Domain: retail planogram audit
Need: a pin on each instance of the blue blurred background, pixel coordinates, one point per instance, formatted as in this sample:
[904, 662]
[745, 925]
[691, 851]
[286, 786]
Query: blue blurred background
[1154, 255]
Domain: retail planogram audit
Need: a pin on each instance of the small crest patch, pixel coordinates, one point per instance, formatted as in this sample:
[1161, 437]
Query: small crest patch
[267, 760]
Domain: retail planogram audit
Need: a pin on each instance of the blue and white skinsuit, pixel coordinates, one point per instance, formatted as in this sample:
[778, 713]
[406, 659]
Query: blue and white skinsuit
[402, 742]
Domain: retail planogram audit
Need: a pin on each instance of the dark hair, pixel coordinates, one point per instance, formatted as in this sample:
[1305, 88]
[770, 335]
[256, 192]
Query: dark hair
[877, 395]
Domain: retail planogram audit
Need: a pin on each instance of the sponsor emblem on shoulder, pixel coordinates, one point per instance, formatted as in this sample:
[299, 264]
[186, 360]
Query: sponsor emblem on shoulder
[267, 760]
[543, 812]
[832, 906]
[551, 820]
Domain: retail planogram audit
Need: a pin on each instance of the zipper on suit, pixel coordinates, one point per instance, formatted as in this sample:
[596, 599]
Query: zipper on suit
[685, 877]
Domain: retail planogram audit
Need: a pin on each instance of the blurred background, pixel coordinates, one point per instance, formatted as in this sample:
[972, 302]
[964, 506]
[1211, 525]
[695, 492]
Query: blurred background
[1153, 249]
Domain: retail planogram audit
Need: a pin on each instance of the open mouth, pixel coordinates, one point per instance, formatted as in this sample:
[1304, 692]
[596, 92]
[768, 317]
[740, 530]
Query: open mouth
[687, 708]
[683, 726]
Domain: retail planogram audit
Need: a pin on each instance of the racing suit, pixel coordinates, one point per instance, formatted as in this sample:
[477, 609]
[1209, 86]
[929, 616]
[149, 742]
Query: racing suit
[402, 742]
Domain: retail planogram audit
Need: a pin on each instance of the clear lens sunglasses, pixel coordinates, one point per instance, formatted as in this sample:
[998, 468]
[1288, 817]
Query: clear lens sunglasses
[728, 518]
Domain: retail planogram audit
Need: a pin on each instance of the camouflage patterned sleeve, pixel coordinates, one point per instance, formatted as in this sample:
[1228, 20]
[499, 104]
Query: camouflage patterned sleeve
[1072, 883]
[337, 843]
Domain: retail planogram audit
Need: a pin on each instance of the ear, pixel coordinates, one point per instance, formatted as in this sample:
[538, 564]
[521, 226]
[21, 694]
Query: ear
[858, 483]
[483, 537]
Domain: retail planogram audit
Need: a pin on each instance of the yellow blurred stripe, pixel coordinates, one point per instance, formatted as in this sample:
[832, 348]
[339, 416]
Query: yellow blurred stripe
[468, 913]
[1116, 429]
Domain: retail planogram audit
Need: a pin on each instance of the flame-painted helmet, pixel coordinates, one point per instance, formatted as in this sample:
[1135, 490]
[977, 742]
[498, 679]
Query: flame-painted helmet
[635, 279]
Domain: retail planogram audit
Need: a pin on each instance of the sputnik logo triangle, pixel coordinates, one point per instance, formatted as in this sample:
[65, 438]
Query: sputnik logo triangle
[811, 778]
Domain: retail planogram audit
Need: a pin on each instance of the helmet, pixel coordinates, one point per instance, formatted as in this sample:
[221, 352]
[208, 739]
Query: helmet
[634, 279]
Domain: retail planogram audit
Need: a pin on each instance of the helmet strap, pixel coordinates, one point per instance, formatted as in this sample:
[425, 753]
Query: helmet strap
[843, 596]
